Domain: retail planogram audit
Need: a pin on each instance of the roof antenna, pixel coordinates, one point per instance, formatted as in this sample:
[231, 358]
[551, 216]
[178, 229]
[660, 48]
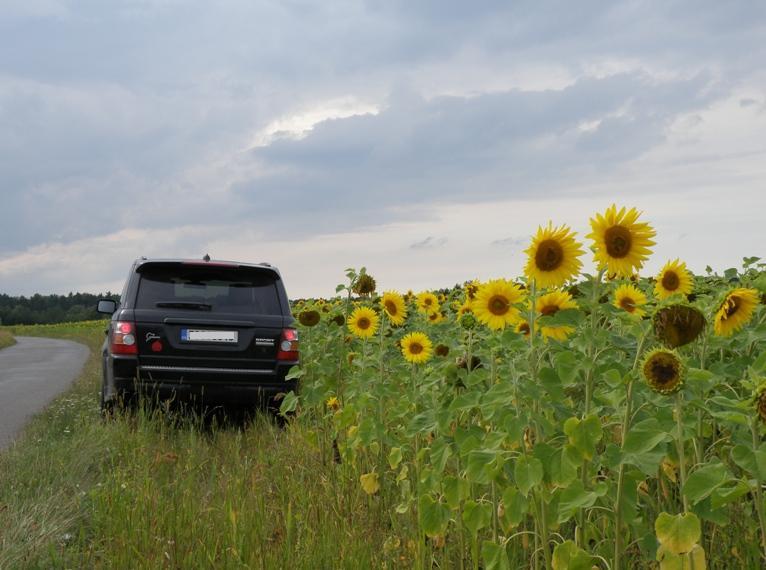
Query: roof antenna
[206, 258]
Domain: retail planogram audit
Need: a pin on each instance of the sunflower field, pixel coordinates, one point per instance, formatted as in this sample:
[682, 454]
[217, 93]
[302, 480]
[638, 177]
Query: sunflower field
[562, 420]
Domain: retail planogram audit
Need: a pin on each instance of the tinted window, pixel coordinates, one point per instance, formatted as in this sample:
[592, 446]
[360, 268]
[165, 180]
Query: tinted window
[214, 289]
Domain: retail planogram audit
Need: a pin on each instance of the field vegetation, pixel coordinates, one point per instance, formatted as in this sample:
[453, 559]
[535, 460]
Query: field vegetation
[564, 421]
[6, 339]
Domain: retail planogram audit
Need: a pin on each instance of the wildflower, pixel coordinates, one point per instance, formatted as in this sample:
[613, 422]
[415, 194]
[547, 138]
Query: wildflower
[673, 278]
[416, 347]
[494, 303]
[553, 256]
[630, 299]
[736, 311]
[363, 322]
[622, 243]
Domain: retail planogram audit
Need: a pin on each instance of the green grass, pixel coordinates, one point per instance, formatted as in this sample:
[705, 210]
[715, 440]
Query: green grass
[6, 339]
[158, 489]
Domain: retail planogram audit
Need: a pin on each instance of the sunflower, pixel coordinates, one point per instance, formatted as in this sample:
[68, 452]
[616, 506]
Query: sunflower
[363, 322]
[333, 403]
[416, 347]
[553, 256]
[464, 308]
[621, 242]
[735, 311]
[663, 370]
[393, 304]
[673, 278]
[550, 304]
[677, 325]
[441, 350]
[630, 299]
[494, 303]
[308, 318]
[365, 285]
[427, 303]
[436, 318]
[522, 327]
[471, 289]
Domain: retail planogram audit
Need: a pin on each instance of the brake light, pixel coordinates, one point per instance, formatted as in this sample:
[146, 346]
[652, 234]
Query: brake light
[288, 345]
[123, 338]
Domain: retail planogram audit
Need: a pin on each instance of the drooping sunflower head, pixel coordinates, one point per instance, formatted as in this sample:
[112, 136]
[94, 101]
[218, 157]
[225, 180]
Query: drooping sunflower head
[673, 278]
[663, 370]
[548, 305]
[363, 322]
[427, 302]
[630, 298]
[677, 325]
[621, 242]
[553, 256]
[736, 311]
[309, 318]
[394, 306]
[416, 347]
[495, 302]
[365, 285]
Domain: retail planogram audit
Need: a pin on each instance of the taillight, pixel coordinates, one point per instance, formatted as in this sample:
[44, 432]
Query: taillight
[288, 345]
[123, 338]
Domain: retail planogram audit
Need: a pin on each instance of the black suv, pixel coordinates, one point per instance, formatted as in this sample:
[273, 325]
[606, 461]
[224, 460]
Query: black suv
[213, 330]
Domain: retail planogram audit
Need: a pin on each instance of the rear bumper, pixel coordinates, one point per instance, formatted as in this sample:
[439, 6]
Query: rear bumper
[219, 385]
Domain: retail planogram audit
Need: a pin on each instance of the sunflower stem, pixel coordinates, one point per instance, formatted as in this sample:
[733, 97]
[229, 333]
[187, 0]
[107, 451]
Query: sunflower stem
[618, 537]
[580, 538]
[680, 447]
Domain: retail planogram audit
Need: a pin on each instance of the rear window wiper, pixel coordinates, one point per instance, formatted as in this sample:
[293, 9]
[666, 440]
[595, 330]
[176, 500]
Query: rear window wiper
[185, 305]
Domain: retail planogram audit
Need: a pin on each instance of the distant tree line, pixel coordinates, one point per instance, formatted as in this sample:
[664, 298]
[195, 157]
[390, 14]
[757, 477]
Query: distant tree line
[47, 309]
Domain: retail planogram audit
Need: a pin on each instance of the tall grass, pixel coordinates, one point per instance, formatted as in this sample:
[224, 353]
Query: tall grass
[6, 339]
[161, 489]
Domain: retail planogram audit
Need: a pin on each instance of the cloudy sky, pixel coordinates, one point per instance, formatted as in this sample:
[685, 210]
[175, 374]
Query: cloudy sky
[425, 140]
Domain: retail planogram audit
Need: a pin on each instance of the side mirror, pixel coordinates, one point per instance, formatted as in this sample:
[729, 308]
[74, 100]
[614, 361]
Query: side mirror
[106, 306]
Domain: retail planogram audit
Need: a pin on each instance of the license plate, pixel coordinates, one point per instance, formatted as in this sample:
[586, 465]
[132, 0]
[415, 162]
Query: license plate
[198, 335]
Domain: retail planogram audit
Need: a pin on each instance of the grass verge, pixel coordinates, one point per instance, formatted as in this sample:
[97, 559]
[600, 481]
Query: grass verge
[157, 489]
[6, 339]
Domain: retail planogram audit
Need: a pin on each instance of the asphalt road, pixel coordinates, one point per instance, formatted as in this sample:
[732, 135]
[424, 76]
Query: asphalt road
[32, 373]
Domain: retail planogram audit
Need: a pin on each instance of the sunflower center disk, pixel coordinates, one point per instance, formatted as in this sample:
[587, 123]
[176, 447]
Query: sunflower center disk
[549, 310]
[628, 304]
[618, 241]
[670, 281]
[498, 305]
[363, 323]
[663, 373]
[732, 307]
[391, 308]
[416, 348]
[549, 256]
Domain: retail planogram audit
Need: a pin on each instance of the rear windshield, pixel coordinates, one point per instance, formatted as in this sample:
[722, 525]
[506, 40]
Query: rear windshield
[211, 289]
